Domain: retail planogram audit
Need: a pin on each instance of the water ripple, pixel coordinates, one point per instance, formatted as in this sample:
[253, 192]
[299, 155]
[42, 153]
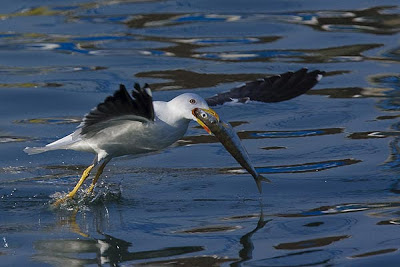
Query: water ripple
[55, 120]
[186, 79]
[288, 134]
[390, 85]
[303, 258]
[343, 208]
[46, 70]
[300, 168]
[349, 53]
[56, 252]
[311, 226]
[168, 19]
[311, 243]
[10, 138]
[210, 229]
[244, 135]
[375, 252]
[375, 20]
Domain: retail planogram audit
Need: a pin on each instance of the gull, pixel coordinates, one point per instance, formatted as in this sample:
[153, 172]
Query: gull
[134, 124]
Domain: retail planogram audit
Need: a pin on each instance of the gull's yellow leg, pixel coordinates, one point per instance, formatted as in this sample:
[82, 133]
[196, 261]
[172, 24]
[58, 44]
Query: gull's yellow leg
[71, 194]
[96, 178]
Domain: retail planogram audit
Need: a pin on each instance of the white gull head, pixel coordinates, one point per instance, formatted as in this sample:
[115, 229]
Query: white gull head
[183, 105]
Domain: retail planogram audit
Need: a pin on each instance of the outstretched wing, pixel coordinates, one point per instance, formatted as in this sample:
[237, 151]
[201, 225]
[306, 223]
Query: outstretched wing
[276, 88]
[121, 105]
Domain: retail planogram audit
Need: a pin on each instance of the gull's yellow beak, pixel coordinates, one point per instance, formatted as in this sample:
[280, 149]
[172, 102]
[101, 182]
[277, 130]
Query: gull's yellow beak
[203, 120]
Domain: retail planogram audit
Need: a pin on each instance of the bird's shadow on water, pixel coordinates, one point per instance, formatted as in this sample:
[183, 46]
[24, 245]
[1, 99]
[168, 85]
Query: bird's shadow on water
[105, 249]
[94, 246]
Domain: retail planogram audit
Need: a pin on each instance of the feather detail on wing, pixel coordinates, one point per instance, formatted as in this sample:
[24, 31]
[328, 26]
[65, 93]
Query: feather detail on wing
[276, 88]
[120, 106]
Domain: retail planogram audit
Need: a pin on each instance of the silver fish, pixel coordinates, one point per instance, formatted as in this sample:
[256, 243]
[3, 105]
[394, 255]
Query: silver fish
[224, 132]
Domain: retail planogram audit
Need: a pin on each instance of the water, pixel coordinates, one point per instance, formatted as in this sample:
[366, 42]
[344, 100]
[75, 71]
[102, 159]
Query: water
[332, 154]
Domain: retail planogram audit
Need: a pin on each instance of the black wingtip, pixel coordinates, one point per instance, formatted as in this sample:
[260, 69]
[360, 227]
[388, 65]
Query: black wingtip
[136, 86]
[275, 88]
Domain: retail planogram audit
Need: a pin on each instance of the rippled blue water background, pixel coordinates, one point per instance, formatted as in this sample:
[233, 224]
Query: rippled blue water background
[332, 154]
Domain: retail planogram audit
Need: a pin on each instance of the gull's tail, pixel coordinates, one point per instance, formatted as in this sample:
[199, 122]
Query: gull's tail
[260, 179]
[63, 143]
[35, 150]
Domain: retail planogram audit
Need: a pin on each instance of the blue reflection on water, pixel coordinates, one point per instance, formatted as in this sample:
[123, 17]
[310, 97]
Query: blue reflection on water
[250, 55]
[288, 134]
[101, 38]
[7, 35]
[391, 103]
[318, 166]
[60, 46]
[203, 18]
[215, 41]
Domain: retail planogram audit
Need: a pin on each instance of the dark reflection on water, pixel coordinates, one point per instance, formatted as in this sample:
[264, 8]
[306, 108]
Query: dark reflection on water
[343, 208]
[201, 261]
[390, 84]
[394, 160]
[67, 120]
[9, 138]
[373, 134]
[389, 222]
[185, 79]
[393, 54]
[41, 70]
[246, 253]
[387, 117]
[210, 229]
[313, 224]
[303, 258]
[311, 243]
[108, 250]
[29, 85]
[385, 87]
[347, 92]
[351, 53]
[170, 19]
[376, 252]
[375, 20]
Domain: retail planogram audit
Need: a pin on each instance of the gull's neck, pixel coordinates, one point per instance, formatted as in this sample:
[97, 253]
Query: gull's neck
[170, 114]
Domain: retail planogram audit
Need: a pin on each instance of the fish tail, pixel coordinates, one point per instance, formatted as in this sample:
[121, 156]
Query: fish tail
[260, 179]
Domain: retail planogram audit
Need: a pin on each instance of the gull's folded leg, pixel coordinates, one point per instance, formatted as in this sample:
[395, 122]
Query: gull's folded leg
[96, 178]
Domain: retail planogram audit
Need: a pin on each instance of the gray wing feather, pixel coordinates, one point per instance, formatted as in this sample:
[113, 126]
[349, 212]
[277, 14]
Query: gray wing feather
[139, 107]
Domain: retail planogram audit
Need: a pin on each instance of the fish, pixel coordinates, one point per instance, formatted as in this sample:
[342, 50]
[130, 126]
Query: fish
[224, 132]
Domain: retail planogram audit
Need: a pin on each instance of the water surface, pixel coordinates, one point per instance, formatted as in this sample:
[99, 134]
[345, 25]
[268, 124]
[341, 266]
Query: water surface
[332, 154]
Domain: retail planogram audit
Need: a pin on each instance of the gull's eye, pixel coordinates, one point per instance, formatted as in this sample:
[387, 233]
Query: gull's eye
[204, 115]
[192, 101]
